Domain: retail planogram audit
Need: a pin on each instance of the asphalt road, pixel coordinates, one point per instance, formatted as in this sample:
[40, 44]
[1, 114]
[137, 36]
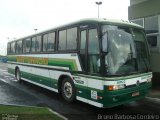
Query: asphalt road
[13, 92]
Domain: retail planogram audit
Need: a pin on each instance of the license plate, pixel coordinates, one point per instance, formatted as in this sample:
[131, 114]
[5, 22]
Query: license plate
[135, 94]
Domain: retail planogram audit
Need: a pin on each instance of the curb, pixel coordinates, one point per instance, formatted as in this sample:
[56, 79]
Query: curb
[59, 115]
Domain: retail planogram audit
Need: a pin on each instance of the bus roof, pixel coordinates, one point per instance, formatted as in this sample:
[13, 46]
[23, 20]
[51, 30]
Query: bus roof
[101, 20]
[104, 20]
[89, 20]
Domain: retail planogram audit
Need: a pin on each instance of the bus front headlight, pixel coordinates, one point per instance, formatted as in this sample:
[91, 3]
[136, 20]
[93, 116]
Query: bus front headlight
[116, 87]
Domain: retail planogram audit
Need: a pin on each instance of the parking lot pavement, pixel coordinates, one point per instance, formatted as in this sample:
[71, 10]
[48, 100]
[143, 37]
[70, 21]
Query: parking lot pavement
[3, 66]
[14, 95]
[11, 95]
[154, 95]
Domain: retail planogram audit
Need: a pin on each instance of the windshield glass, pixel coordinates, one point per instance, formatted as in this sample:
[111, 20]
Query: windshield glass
[126, 50]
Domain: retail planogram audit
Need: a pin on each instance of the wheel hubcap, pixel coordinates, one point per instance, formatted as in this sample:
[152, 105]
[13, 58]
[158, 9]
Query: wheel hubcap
[68, 90]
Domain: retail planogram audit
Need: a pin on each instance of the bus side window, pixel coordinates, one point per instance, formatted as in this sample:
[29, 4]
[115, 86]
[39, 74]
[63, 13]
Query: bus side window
[24, 46]
[51, 41]
[28, 45]
[38, 43]
[72, 39]
[33, 44]
[8, 48]
[13, 47]
[62, 40]
[45, 37]
[68, 39]
[19, 47]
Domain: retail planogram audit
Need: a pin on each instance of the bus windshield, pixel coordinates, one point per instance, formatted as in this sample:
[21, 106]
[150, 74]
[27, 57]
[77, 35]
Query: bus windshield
[127, 51]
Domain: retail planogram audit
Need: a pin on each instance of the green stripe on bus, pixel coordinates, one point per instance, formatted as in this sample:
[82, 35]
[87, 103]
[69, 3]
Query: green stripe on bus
[61, 62]
[71, 63]
[37, 78]
[40, 79]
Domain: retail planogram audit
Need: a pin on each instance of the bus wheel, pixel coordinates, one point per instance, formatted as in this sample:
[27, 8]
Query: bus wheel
[18, 75]
[68, 90]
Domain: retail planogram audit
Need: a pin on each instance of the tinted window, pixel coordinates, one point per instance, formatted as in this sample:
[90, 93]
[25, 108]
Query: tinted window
[33, 44]
[13, 46]
[19, 47]
[93, 52]
[24, 46]
[8, 48]
[48, 41]
[51, 40]
[72, 39]
[28, 45]
[93, 46]
[83, 40]
[38, 43]
[45, 42]
[62, 40]
[82, 49]
[68, 39]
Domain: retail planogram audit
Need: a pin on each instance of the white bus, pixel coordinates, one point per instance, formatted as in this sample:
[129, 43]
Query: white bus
[101, 62]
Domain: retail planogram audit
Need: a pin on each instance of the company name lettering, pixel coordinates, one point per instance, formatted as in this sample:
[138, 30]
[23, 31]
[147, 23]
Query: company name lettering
[32, 60]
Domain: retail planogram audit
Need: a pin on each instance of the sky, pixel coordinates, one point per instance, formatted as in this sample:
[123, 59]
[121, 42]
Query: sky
[19, 18]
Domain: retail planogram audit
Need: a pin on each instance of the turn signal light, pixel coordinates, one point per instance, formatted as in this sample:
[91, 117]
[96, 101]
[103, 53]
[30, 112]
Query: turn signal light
[116, 87]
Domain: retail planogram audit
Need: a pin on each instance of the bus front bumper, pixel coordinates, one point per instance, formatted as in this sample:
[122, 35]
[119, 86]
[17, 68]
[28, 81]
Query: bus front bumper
[123, 96]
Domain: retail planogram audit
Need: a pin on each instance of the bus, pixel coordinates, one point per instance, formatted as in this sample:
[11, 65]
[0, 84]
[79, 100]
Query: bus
[102, 62]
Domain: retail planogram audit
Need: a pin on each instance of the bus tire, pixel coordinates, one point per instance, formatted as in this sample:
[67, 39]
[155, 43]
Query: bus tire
[68, 90]
[18, 75]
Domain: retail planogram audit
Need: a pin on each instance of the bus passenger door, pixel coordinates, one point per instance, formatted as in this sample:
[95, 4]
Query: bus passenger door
[90, 59]
[83, 62]
[93, 56]
[83, 55]
[89, 51]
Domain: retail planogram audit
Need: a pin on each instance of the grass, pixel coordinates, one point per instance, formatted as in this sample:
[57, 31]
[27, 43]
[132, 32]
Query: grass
[26, 113]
